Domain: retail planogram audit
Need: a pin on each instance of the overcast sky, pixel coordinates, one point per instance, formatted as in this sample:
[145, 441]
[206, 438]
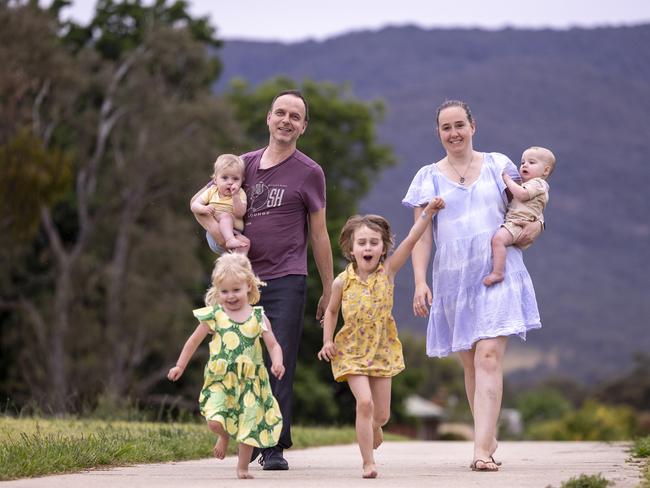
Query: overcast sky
[292, 20]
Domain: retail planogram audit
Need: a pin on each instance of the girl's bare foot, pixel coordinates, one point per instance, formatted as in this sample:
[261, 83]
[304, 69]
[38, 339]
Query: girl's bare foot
[369, 471]
[493, 278]
[377, 437]
[221, 447]
[243, 474]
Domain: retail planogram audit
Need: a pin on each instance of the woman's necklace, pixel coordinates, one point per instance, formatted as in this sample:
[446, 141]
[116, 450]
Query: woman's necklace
[461, 178]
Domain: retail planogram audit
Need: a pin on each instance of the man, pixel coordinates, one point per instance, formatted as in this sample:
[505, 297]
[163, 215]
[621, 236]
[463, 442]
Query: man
[285, 190]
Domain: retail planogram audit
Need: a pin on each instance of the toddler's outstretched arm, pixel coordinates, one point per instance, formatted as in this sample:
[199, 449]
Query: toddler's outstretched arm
[396, 260]
[189, 348]
[274, 349]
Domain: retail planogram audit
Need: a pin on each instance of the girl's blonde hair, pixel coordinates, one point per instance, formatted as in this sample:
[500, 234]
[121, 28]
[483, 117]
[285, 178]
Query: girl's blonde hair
[373, 222]
[238, 267]
[226, 161]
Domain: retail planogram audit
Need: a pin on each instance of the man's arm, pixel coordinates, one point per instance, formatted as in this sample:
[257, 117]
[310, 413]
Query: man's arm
[322, 249]
[207, 220]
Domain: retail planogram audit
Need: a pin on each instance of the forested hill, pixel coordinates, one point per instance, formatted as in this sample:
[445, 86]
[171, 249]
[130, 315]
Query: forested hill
[583, 93]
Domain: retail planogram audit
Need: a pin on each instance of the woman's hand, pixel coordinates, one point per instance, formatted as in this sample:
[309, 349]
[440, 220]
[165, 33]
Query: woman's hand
[327, 352]
[529, 232]
[421, 300]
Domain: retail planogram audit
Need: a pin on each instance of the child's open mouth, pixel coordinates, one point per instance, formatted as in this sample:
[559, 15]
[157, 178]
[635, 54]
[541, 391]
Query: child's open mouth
[367, 258]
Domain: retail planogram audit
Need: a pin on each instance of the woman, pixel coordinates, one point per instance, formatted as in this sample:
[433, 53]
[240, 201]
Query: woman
[466, 316]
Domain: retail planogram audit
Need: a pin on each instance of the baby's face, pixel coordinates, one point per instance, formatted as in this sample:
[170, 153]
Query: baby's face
[534, 164]
[228, 181]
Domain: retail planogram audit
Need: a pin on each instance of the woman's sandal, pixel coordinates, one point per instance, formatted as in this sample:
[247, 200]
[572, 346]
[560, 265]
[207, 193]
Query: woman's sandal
[492, 460]
[474, 466]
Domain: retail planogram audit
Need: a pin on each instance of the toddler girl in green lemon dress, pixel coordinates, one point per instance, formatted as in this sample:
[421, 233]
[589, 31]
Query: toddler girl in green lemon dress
[236, 398]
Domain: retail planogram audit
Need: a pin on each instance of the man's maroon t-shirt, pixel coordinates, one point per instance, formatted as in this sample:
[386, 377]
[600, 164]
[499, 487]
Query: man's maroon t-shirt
[280, 200]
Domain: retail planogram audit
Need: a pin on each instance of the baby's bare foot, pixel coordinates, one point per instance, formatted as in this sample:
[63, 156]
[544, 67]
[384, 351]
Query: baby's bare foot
[243, 474]
[221, 447]
[369, 471]
[377, 437]
[492, 279]
[234, 243]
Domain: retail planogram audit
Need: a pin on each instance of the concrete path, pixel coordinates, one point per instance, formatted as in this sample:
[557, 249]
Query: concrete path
[401, 464]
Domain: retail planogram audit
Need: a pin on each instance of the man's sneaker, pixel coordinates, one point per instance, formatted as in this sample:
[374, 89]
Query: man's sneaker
[272, 460]
[256, 452]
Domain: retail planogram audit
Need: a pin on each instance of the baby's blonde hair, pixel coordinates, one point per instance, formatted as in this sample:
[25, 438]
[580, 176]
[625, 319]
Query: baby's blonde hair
[226, 161]
[237, 266]
[547, 154]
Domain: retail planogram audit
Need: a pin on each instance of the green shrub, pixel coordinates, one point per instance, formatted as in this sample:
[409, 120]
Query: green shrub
[641, 447]
[541, 405]
[592, 422]
[586, 481]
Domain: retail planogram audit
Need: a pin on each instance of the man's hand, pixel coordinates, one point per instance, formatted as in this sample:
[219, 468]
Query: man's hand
[323, 301]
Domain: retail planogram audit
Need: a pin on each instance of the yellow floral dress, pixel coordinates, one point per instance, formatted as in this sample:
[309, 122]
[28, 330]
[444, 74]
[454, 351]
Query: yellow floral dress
[367, 344]
[236, 390]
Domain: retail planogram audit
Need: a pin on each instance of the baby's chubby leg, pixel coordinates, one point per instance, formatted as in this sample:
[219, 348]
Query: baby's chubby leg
[501, 239]
[226, 224]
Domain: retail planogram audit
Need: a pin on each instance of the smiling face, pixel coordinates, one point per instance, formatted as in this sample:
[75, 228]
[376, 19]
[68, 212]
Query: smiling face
[455, 130]
[233, 293]
[287, 119]
[367, 249]
[535, 163]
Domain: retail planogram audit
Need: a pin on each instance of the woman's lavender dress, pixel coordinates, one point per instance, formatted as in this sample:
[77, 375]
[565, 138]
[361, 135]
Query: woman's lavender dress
[464, 310]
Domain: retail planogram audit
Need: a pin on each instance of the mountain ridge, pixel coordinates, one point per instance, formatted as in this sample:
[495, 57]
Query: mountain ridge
[582, 92]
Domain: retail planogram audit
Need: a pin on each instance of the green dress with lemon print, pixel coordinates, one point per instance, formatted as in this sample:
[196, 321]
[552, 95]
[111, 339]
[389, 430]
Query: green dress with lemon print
[236, 390]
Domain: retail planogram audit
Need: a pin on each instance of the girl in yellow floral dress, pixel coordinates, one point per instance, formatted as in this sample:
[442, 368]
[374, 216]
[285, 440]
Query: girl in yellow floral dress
[366, 351]
[236, 398]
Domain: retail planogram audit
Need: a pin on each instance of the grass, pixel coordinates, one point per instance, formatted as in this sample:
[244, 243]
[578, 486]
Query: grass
[586, 481]
[38, 447]
[641, 449]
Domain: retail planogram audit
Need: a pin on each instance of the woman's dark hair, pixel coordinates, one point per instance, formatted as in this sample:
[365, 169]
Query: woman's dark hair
[455, 103]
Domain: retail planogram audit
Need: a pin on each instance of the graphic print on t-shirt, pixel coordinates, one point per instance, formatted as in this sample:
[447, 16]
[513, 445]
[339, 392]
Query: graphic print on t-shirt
[264, 197]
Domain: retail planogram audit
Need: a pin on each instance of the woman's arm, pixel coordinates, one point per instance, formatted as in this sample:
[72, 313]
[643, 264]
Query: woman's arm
[420, 260]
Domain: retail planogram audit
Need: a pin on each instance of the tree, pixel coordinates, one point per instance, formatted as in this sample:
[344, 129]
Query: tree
[125, 105]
